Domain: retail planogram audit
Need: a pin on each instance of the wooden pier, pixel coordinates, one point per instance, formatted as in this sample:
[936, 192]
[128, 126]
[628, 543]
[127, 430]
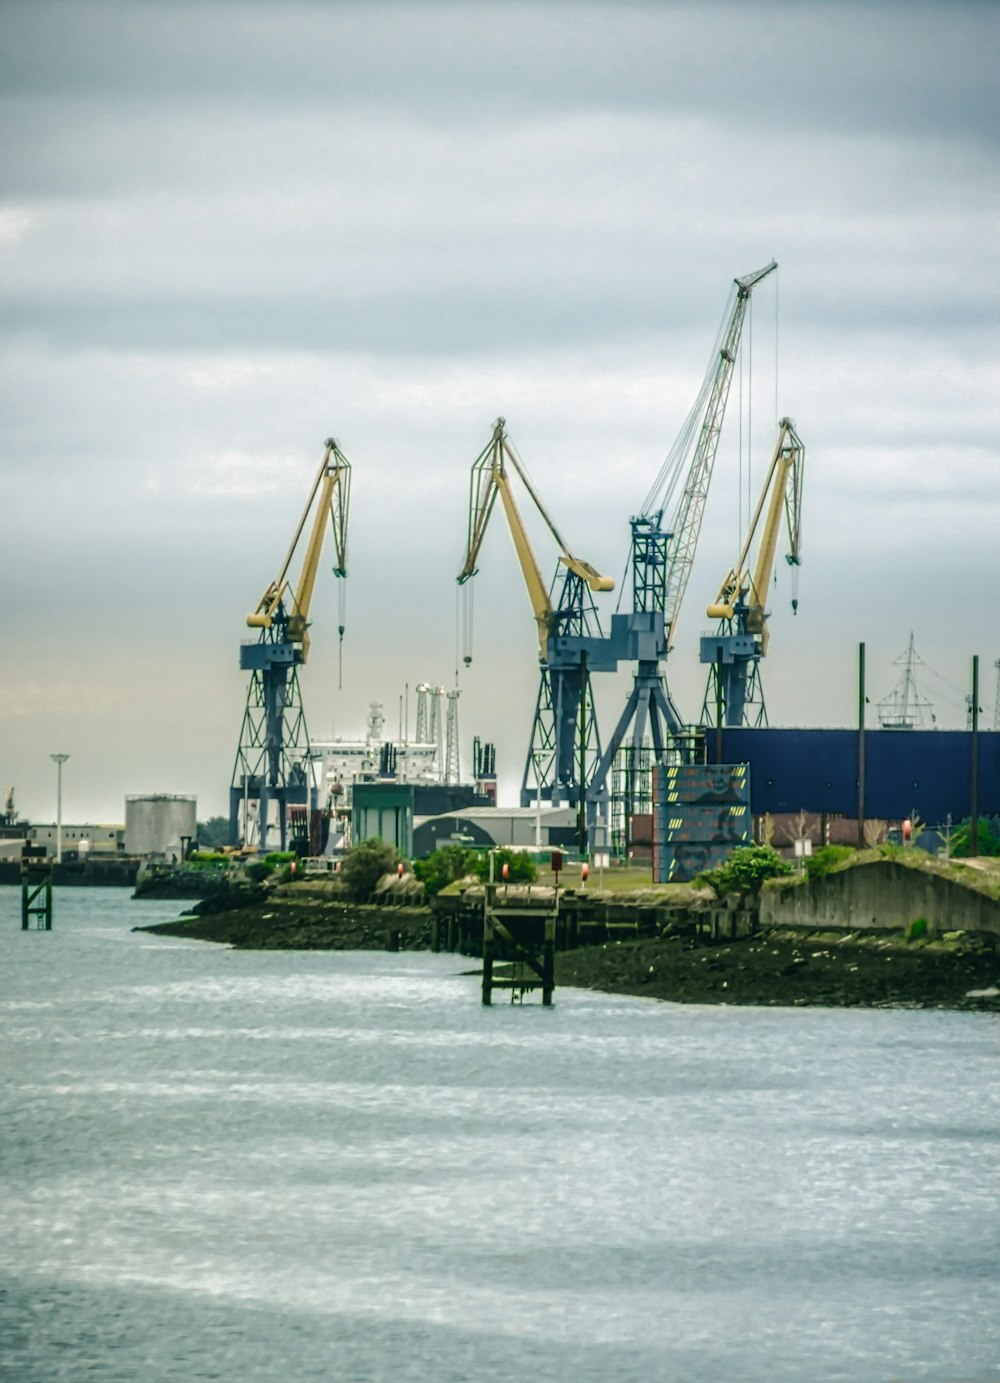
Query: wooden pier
[519, 948]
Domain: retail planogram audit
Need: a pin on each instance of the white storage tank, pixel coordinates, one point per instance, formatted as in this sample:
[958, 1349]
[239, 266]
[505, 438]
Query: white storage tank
[156, 822]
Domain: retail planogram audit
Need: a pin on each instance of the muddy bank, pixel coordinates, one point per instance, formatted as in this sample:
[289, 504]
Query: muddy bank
[306, 924]
[832, 969]
[777, 967]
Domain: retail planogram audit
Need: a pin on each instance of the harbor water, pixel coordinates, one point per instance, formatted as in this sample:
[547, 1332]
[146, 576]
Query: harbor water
[313, 1165]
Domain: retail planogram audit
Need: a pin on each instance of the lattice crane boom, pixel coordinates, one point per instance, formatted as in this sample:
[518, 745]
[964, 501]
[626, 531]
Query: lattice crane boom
[686, 527]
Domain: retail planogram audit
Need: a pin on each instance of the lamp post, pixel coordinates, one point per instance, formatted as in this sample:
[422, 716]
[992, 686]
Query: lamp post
[58, 760]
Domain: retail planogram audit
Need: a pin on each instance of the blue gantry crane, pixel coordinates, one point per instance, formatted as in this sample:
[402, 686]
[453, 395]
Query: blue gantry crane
[734, 694]
[662, 554]
[272, 761]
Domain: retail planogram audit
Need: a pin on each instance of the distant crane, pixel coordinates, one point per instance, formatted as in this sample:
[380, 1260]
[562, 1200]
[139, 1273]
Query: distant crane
[661, 557]
[272, 761]
[904, 708]
[565, 742]
[735, 651]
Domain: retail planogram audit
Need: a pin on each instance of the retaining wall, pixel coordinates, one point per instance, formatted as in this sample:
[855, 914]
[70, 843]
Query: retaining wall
[881, 895]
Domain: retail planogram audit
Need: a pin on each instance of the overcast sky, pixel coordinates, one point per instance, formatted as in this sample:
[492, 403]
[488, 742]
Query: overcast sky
[229, 231]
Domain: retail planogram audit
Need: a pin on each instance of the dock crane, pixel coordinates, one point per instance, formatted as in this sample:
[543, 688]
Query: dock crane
[565, 742]
[661, 556]
[272, 761]
[734, 695]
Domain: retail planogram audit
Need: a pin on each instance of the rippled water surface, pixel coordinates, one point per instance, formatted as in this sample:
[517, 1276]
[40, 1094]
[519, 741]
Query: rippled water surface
[236, 1165]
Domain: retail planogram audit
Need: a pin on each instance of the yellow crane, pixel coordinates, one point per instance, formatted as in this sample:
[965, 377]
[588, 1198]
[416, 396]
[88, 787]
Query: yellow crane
[564, 733]
[740, 606]
[330, 494]
[489, 479]
[272, 757]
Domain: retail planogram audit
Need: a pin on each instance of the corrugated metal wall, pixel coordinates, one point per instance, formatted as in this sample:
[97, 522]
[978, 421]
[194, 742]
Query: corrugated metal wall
[817, 771]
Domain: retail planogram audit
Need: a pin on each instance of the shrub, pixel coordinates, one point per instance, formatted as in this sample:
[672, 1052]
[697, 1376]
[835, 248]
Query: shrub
[521, 868]
[826, 858]
[365, 865]
[745, 870]
[987, 844]
[444, 866]
[258, 871]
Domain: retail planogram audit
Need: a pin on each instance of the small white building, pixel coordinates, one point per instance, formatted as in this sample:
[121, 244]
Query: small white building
[106, 838]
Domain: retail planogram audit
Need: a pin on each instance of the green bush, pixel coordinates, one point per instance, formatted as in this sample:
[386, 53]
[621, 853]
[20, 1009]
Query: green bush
[745, 871]
[444, 866]
[521, 868]
[826, 858]
[364, 866]
[258, 871]
[989, 838]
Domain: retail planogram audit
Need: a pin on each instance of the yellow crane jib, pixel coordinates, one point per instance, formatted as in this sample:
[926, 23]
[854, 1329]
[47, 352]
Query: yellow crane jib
[329, 496]
[490, 478]
[783, 482]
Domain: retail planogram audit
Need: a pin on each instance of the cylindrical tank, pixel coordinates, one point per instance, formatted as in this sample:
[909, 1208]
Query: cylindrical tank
[155, 823]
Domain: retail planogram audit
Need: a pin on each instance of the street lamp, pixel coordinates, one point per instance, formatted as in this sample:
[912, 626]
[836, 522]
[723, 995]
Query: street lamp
[58, 760]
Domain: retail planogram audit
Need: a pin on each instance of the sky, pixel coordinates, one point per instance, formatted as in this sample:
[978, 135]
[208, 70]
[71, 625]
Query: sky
[229, 231]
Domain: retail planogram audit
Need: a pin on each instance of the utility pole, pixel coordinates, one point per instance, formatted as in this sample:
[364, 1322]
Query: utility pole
[581, 815]
[974, 765]
[861, 746]
[58, 760]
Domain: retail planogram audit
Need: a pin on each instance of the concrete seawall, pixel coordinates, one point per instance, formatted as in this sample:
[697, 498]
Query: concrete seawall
[882, 895]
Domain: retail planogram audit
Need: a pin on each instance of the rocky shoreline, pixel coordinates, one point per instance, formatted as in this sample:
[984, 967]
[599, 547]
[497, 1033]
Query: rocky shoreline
[956, 970]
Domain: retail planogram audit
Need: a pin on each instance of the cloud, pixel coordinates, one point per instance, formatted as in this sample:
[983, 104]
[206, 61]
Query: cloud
[229, 231]
[897, 66]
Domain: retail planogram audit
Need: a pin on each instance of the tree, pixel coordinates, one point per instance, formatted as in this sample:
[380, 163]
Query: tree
[875, 832]
[364, 866]
[213, 832]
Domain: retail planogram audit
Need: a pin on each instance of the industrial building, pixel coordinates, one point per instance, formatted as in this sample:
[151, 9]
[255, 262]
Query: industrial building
[896, 774]
[103, 838]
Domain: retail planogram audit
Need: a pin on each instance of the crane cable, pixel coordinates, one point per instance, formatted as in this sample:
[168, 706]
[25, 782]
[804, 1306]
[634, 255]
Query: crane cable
[341, 622]
[464, 625]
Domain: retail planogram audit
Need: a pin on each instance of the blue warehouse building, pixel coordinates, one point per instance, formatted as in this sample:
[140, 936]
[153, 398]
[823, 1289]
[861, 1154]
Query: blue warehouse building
[927, 771]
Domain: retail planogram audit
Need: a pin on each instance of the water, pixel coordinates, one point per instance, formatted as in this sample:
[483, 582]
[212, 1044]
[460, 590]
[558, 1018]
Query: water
[240, 1166]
